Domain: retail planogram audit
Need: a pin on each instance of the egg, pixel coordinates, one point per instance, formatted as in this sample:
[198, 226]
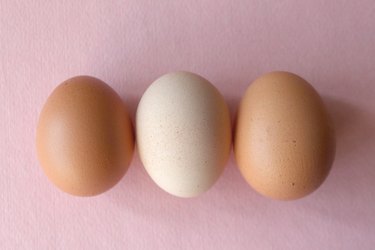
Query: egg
[183, 132]
[284, 142]
[84, 137]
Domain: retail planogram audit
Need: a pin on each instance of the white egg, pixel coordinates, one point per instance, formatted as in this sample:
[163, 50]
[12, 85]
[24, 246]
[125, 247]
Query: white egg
[183, 133]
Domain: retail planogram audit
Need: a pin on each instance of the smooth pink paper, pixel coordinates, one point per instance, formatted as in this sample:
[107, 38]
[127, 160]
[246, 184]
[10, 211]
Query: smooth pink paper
[129, 44]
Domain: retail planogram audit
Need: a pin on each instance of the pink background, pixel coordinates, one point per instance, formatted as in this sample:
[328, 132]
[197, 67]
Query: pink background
[128, 44]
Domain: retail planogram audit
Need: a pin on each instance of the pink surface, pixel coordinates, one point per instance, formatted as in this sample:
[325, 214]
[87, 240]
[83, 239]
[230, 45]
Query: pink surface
[129, 44]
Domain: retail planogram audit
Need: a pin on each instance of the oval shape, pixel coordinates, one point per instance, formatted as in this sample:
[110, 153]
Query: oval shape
[84, 137]
[183, 133]
[284, 143]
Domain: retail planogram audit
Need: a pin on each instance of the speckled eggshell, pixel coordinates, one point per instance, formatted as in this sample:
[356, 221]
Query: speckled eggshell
[84, 137]
[183, 133]
[284, 142]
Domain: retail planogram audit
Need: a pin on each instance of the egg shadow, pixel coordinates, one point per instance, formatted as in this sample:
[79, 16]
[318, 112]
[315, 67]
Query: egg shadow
[131, 102]
[233, 103]
[351, 127]
[351, 170]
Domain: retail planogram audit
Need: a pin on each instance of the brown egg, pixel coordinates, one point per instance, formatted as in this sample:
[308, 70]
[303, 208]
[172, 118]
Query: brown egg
[284, 143]
[84, 137]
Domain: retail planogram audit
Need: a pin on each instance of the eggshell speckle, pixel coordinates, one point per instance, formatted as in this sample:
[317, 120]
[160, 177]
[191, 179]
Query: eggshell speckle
[284, 143]
[183, 133]
[84, 137]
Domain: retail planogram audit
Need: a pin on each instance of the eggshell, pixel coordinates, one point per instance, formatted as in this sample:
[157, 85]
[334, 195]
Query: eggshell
[84, 137]
[183, 133]
[284, 142]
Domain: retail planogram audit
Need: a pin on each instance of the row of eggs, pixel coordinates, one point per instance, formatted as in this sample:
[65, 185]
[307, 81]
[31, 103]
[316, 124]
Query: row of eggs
[283, 139]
